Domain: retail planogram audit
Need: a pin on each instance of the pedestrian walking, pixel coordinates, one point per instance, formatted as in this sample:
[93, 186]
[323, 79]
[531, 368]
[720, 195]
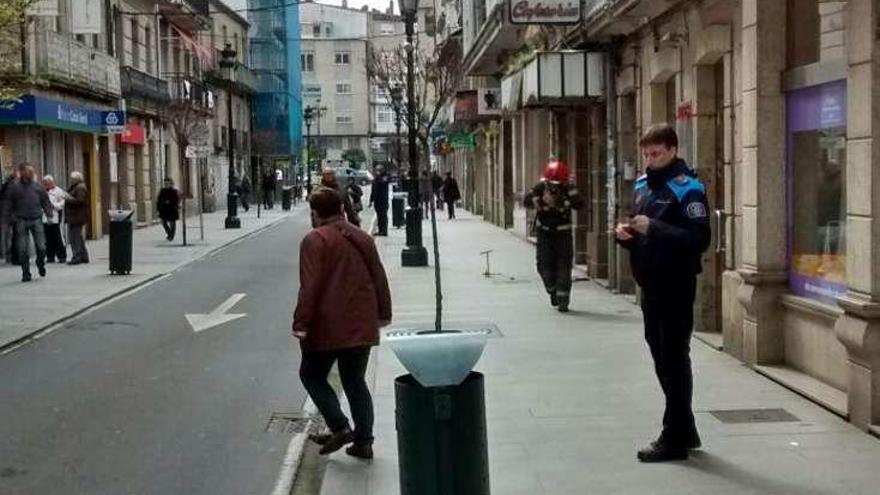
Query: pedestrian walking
[168, 205]
[329, 181]
[269, 183]
[355, 195]
[451, 194]
[437, 188]
[379, 199]
[55, 248]
[29, 202]
[426, 193]
[339, 268]
[666, 236]
[244, 193]
[554, 198]
[7, 223]
[76, 214]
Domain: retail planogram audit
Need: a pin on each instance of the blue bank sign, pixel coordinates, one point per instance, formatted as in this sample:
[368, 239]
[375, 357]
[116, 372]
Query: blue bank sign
[46, 112]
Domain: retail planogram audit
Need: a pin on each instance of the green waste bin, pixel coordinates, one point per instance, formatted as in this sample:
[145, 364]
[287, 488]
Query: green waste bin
[441, 437]
[120, 241]
[398, 209]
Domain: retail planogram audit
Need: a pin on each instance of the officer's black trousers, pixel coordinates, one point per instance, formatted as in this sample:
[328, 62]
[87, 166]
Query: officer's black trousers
[555, 252]
[382, 219]
[669, 321]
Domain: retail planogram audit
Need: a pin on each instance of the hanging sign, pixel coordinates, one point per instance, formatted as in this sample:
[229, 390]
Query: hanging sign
[545, 11]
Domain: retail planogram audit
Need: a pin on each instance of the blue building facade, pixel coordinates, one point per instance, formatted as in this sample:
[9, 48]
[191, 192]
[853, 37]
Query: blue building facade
[275, 60]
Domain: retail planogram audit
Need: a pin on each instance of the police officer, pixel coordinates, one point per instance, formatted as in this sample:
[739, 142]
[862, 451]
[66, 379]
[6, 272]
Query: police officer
[666, 236]
[554, 198]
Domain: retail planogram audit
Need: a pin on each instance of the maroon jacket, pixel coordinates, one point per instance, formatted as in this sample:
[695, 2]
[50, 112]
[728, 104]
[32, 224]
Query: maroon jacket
[343, 291]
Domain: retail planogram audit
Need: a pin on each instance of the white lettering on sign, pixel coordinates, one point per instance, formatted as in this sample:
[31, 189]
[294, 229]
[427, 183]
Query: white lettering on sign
[545, 12]
[71, 115]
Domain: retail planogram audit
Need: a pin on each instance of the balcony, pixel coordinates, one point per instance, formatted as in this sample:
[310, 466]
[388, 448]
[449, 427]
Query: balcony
[242, 79]
[190, 15]
[185, 89]
[142, 85]
[63, 60]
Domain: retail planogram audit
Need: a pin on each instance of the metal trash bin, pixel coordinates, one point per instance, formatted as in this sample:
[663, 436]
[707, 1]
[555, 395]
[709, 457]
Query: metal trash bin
[120, 241]
[286, 197]
[398, 209]
[441, 437]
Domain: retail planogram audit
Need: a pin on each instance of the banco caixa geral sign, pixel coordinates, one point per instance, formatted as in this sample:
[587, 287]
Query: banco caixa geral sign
[544, 11]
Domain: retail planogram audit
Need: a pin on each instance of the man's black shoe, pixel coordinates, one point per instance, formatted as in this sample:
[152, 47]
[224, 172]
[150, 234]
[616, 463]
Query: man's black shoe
[26, 277]
[41, 270]
[320, 438]
[337, 441]
[554, 300]
[361, 451]
[692, 442]
[662, 452]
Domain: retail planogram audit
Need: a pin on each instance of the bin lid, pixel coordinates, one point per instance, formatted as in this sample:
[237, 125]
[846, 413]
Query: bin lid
[120, 215]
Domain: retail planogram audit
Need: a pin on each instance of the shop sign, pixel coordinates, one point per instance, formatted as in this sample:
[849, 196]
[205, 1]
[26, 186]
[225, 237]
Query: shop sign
[39, 111]
[489, 101]
[113, 121]
[132, 134]
[545, 11]
[462, 140]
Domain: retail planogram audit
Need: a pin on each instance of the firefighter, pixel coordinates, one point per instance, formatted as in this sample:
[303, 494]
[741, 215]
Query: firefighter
[666, 236]
[554, 198]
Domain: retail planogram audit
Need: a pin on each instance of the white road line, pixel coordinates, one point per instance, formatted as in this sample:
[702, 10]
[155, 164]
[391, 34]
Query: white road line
[292, 459]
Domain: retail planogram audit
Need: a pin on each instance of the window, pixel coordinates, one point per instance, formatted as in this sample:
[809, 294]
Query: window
[135, 45]
[817, 191]
[316, 30]
[342, 58]
[328, 29]
[306, 29]
[381, 91]
[307, 59]
[343, 118]
[386, 28]
[148, 49]
[384, 114]
[343, 88]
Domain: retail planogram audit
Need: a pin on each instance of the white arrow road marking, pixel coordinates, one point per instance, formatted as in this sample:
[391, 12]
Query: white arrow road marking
[200, 321]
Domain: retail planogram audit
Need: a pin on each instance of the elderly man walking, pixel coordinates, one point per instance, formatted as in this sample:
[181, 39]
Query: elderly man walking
[76, 214]
[339, 268]
[29, 202]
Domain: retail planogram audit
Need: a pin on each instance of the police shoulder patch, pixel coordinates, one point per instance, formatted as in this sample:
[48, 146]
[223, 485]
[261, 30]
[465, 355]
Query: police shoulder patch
[696, 210]
[681, 179]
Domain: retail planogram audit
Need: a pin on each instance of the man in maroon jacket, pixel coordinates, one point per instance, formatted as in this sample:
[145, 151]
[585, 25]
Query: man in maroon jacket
[343, 301]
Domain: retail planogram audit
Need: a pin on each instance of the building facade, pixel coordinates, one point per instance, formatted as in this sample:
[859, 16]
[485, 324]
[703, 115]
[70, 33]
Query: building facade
[772, 103]
[334, 78]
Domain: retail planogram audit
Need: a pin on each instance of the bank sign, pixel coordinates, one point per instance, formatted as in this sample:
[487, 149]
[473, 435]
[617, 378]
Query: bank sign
[545, 11]
[46, 112]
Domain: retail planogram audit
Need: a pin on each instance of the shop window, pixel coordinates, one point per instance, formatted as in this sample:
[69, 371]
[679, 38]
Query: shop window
[817, 191]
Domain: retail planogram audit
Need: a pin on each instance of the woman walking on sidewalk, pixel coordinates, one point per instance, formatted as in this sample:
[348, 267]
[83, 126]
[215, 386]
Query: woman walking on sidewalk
[339, 267]
[169, 206]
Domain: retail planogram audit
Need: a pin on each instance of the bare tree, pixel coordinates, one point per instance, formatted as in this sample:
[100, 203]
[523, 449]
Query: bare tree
[190, 127]
[438, 75]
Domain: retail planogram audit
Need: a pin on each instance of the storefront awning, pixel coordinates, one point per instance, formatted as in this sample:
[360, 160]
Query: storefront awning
[511, 92]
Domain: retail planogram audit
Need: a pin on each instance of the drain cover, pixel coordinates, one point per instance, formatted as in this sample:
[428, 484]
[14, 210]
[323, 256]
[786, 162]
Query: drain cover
[741, 416]
[291, 423]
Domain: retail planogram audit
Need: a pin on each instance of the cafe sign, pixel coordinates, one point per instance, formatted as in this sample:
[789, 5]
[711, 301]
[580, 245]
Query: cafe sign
[545, 11]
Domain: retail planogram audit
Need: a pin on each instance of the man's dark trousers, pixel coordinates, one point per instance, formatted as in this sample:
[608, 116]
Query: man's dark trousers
[555, 252]
[24, 229]
[314, 369]
[54, 243]
[382, 220]
[669, 320]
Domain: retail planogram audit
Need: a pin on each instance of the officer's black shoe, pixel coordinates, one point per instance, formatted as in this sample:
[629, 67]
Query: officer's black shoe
[361, 451]
[662, 452]
[691, 442]
[563, 305]
[554, 300]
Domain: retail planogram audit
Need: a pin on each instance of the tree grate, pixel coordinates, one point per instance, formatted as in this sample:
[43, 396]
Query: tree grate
[292, 423]
[746, 416]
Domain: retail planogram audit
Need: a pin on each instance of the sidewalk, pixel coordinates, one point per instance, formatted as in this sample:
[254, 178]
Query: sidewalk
[68, 290]
[570, 398]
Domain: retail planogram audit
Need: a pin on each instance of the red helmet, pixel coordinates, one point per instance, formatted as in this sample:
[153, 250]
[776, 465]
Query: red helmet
[556, 171]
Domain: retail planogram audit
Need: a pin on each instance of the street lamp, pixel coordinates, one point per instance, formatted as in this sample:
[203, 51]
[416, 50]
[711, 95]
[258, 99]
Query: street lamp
[228, 62]
[308, 115]
[396, 103]
[414, 254]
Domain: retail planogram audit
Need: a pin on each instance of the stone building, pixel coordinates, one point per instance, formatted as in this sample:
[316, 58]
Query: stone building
[772, 102]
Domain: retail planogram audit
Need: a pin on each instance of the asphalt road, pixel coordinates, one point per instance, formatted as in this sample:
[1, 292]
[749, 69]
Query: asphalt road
[129, 399]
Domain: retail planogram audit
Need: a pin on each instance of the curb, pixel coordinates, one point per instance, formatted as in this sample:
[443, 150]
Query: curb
[44, 330]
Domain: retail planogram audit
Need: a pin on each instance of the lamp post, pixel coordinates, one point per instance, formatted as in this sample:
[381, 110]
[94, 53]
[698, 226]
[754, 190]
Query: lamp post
[308, 115]
[414, 254]
[396, 101]
[228, 62]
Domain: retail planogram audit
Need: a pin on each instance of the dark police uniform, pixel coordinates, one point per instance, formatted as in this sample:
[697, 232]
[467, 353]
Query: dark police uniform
[665, 263]
[379, 201]
[553, 227]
